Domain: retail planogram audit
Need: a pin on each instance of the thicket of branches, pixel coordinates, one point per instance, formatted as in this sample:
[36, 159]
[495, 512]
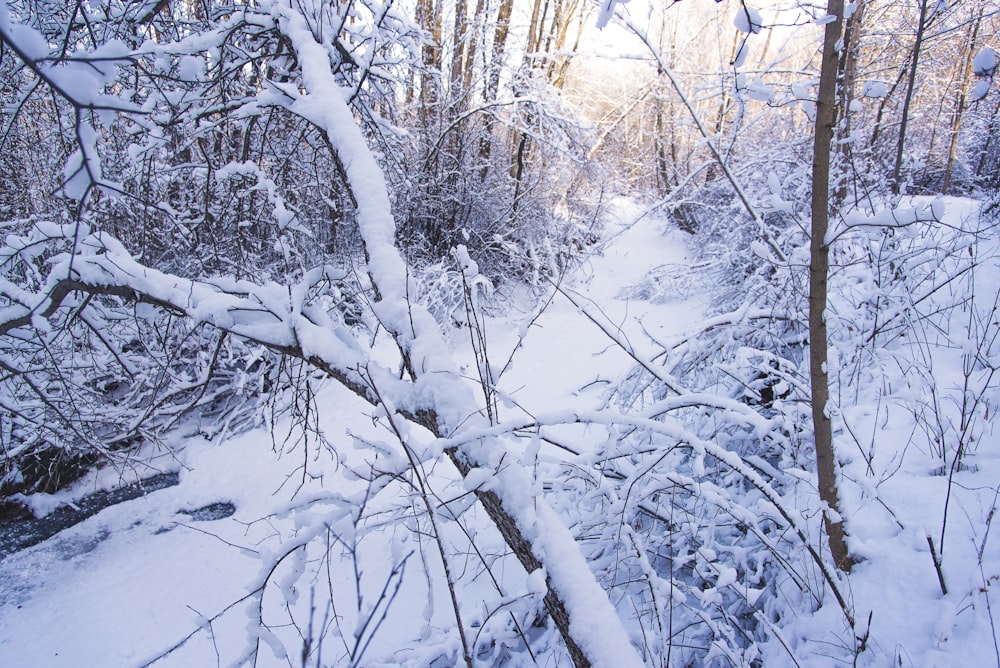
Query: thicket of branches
[173, 127]
[207, 205]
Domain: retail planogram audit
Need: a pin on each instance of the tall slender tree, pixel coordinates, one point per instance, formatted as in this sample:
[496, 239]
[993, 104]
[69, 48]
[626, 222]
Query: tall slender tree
[911, 84]
[965, 67]
[819, 267]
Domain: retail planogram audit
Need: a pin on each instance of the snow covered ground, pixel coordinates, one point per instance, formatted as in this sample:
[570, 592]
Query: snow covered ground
[149, 581]
[126, 585]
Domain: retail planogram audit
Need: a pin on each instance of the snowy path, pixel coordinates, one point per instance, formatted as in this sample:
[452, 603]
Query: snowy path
[566, 358]
[124, 586]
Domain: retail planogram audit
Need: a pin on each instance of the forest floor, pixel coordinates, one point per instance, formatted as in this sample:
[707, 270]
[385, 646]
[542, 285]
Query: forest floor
[122, 587]
[153, 580]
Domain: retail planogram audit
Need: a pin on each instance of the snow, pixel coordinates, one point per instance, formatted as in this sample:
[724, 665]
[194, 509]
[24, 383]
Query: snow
[363, 536]
[28, 41]
[758, 90]
[876, 89]
[126, 585]
[153, 577]
[985, 63]
[577, 369]
[132, 579]
[606, 11]
[748, 19]
[739, 60]
[604, 645]
[437, 387]
[190, 68]
[536, 582]
[980, 90]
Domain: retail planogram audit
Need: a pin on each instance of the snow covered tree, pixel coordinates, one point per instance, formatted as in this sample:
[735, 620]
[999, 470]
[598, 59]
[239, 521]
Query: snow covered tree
[191, 101]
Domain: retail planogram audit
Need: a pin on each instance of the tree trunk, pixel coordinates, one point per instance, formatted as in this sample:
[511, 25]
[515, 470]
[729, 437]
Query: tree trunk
[577, 13]
[458, 53]
[960, 101]
[983, 169]
[847, 71]
[534, 31]
[429, 19]
[665, 161]
[908, 98]
[472, 46]
[500, 33]
[819, 250]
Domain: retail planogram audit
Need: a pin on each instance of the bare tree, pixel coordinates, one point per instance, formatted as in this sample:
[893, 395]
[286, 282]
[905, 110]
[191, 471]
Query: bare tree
[819, 269]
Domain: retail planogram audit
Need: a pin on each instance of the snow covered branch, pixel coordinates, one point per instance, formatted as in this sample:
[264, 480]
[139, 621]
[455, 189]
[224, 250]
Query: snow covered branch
[282, 318]
[580, 608]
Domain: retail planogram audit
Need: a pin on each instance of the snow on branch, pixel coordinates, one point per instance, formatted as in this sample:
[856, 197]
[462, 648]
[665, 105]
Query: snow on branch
[275, 315]
[281, 318]
[81, 79]
[926, 211]
[736, 410]
[654, 422]
[589, 624]
[284, 318]
[607, 11]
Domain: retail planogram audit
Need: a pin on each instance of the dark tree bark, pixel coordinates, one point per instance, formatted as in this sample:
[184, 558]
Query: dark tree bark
[500, 33]
[459, 38]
